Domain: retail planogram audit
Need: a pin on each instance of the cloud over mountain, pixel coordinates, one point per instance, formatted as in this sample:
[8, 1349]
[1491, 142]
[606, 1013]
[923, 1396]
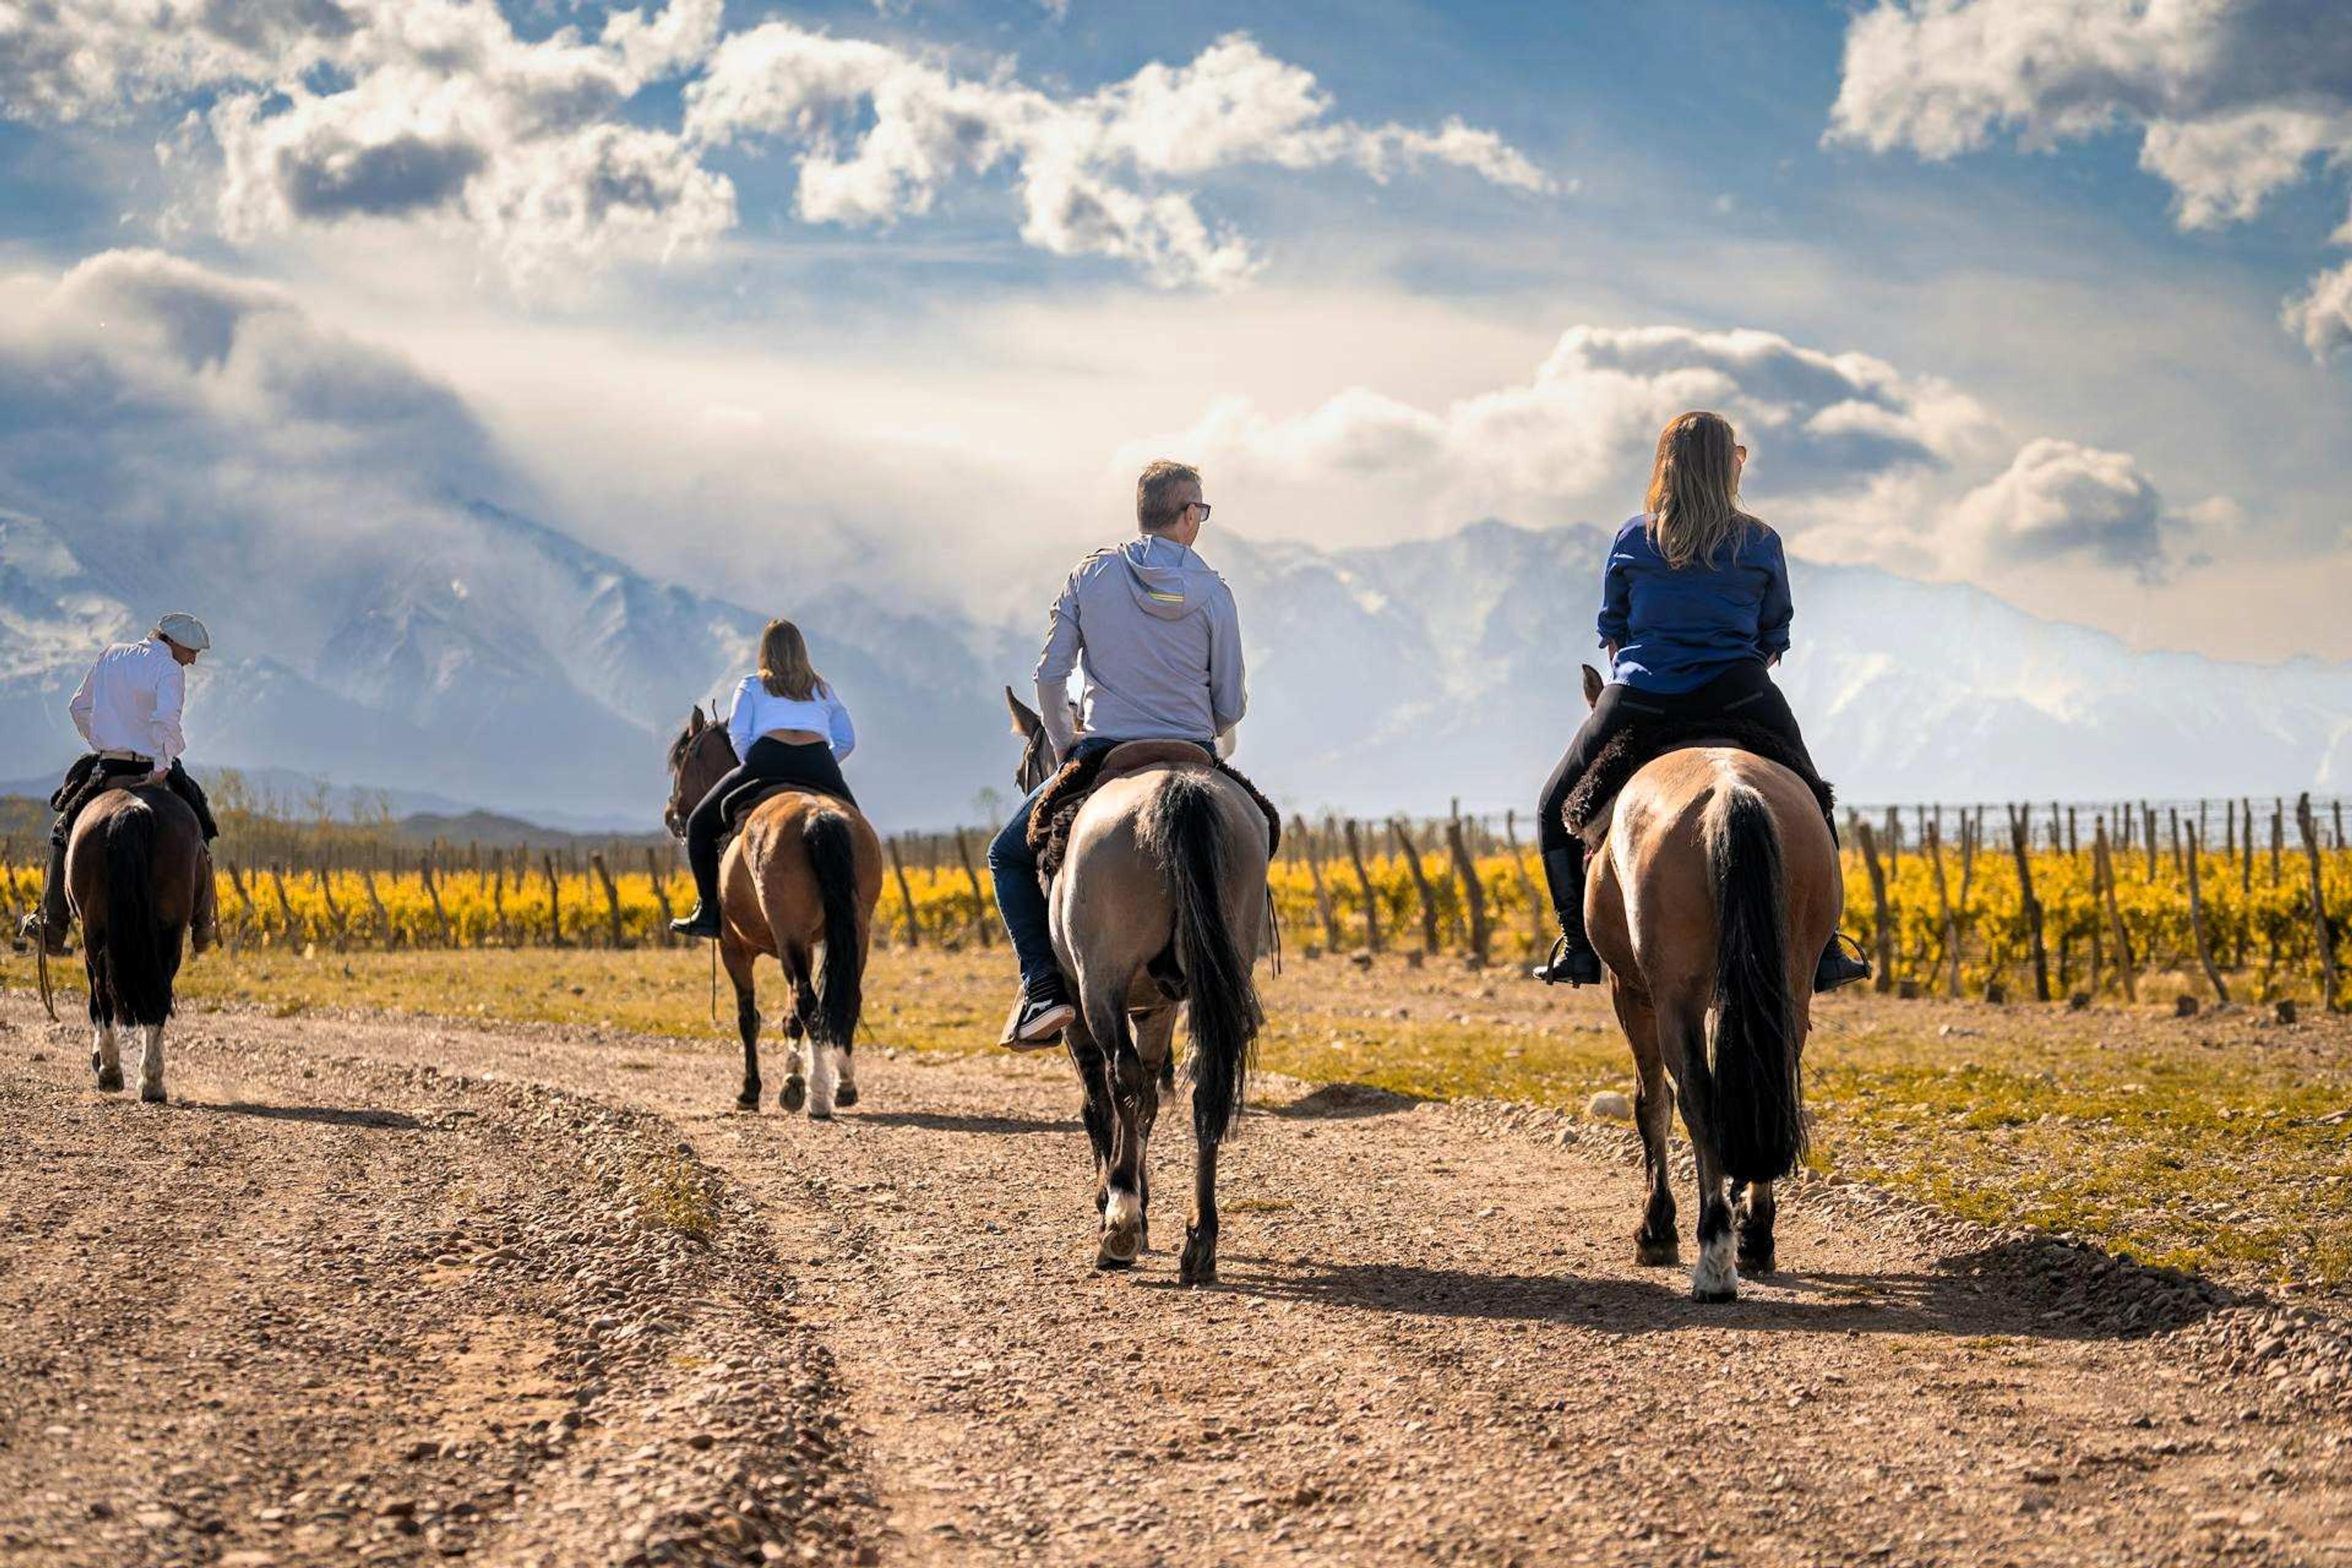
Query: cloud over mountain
[2234, 102]
[551, 149]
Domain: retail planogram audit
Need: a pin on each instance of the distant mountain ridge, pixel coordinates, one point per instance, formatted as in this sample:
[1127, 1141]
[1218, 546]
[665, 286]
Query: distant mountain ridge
[489, 661]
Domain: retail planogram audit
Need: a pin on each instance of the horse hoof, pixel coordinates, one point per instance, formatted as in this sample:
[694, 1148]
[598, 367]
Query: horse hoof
[1715, 1295]
[820, 1115]
[109, 1080]
[1197, 1266]
[1755, 1261]
[1651, 1254]
[1120, 1245]
[794, 1095]
[845, 1096]
[150, 1094]
[748, 1101]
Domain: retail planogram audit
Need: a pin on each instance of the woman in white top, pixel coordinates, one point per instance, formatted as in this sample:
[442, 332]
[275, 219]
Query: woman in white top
[788, 728]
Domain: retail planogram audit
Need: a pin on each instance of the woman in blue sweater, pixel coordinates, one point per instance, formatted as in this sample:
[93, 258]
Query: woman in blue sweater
[1695, 609]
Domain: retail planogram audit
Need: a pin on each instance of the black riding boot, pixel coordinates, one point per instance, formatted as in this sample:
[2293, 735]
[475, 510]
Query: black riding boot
[50, 923]
[1572, 959]
[1836, 967]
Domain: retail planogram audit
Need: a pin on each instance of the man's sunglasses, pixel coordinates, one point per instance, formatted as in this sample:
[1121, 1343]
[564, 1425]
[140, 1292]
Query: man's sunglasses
[1204, 510]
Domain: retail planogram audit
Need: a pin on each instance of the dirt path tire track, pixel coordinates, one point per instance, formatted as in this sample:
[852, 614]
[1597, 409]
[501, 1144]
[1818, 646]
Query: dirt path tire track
[1430, 1343]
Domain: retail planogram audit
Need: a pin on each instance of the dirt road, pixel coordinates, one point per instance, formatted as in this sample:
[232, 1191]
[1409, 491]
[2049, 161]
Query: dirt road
[371, 1288]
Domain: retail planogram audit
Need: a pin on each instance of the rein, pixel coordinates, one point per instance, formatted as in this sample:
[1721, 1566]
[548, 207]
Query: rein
[41, 964]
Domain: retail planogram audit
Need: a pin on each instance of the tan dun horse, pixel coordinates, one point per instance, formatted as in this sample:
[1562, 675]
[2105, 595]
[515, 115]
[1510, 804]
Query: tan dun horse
[134, 873]
[803, 875]
[1716, 886]
[1160, 900]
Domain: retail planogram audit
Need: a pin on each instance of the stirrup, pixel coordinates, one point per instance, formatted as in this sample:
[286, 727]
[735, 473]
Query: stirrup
[35, 928]
[702, 923]
[1836, 967]
[1569, 966]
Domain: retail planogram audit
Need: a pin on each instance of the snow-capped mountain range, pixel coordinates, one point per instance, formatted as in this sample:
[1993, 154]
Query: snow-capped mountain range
[491, 659]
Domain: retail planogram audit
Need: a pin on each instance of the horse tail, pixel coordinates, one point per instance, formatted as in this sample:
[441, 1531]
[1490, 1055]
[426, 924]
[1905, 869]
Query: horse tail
[1221, 1004]
[1756, 1103]
[138, 978]
[833, 853]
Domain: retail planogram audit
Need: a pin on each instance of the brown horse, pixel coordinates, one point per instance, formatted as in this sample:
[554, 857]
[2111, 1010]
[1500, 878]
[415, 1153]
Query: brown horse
[1161, 899]
[134, 873]
[804, 873]
[1716, 886]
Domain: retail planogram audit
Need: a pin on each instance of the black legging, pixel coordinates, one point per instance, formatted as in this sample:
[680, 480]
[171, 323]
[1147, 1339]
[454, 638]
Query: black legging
[1744, 692]
[780, 762]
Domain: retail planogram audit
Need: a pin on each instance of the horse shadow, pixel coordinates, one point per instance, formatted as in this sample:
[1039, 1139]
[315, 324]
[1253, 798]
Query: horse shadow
[324, 1115]
[1343, 1103]
[1993, 1293]
[949, 1122]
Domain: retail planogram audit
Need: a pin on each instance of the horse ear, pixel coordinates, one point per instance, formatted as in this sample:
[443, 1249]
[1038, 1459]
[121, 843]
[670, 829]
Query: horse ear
[1592, 686]
[1025, 722]
[694, 721]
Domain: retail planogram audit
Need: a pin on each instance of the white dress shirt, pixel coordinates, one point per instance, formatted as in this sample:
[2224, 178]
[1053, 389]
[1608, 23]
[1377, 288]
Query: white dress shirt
[130, 701]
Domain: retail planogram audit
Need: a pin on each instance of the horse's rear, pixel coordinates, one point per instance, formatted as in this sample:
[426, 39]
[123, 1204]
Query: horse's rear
[132, 868]
[1161, 898]
[800, 879]
[1718, 885]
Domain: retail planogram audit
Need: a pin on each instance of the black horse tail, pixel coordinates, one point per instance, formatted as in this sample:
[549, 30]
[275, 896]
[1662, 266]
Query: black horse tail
[1221, 1001]
[840, 986]
[1756, 1106]
[138, 978]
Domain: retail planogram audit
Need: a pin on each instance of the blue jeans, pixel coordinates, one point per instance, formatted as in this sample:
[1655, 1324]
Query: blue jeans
[1020, 896]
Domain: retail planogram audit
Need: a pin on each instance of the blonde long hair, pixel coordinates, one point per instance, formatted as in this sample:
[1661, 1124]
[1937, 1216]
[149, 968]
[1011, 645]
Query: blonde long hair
[1694, 497]
[784, 667]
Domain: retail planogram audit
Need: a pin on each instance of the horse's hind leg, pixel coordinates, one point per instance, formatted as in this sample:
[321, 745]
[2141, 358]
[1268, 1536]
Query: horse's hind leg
[1716, 1277]
[1155, 1045]
[1128, 1087]
[151, 1064]
[1655, 1242]
[1756, 1251]
[105, 1049]
[811, 1057]
[1094, 1084]
[736, 959]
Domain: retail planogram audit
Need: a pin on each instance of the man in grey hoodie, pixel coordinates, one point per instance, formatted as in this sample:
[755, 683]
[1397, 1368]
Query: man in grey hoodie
[1155, 634]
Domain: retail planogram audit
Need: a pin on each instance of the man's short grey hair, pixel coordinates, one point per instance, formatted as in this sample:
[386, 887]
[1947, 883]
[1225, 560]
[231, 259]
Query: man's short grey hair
[1156, 507]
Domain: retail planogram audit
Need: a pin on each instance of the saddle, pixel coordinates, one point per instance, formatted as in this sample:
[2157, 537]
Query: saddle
[1058, 804]
[92, 775]
[746, 798]
[1628, 751]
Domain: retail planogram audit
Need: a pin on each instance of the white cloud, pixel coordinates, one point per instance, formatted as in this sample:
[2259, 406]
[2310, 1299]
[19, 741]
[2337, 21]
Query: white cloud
[2322, 315]
[1573, 442]
[438, 112]
[885, 131]
[2234, 102]
[2060, 499]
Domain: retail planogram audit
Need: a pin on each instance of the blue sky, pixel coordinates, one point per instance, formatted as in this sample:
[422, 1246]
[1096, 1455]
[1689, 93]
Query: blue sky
[1991, 300]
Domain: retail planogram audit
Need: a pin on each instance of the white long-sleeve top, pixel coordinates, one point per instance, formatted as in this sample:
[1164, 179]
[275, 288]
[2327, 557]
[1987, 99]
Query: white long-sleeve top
[131, 701]
[758, 711]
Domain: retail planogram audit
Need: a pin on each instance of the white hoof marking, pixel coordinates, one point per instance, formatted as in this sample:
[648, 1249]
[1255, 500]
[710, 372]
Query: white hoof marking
[1124, 1212]
[823, 1074]
[1717, 1274]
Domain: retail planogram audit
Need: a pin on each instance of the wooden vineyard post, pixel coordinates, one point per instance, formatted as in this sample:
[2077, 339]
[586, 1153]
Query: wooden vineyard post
[554, 902]
[979, 902]
[2278, 838]
[1539, 910]
[2196, 919]
[667, 937]
[384, 933]
[334, 910]
[906, 895]
[2180, 864]
[2018, 827]
[1411, 853]
[1474, 895]
[2318, 905]
[1971, 839]
[294, 928]
[1364, 881]
[1303, 838]
[1884, 980]
[2104, 873]
[1949, 959]
[433, 892]
[612, 896]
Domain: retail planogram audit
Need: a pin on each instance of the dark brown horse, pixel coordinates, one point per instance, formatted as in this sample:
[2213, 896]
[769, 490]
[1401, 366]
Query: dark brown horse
[1714, 886]
[1161, 900]
[135, 869]
[803, 875]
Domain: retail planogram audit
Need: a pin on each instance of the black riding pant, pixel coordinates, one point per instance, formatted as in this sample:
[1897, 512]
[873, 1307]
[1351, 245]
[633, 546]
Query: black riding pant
[809, 764]
[93, 776]
[1744, 692]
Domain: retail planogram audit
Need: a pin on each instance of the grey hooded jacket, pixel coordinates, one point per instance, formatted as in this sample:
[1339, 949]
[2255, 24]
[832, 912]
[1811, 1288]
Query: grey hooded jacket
[1160, 642]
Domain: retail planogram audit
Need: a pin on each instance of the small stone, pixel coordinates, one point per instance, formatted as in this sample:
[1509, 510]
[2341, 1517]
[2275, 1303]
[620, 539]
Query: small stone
[1610, 1105]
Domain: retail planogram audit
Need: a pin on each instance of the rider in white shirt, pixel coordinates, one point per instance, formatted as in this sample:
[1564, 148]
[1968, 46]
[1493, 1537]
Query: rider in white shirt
[127, 708]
